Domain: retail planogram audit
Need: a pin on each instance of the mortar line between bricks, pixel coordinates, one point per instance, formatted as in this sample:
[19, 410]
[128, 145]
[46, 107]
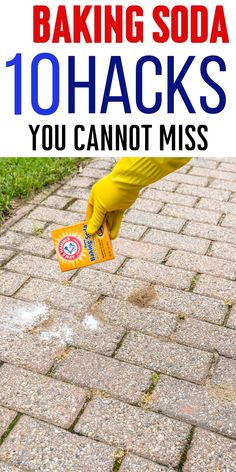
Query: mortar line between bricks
[186, 449]
[10, 427]
[119, 460]
[119, 344]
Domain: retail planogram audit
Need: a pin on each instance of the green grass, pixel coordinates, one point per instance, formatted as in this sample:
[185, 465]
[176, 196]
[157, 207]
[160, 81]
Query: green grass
[20, 177]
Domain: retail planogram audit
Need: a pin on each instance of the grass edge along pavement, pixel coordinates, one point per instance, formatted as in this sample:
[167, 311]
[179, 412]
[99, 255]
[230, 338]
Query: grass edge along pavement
[21, 177]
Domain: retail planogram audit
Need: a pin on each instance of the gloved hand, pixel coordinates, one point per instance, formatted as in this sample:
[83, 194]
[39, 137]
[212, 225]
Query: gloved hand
[116, 192]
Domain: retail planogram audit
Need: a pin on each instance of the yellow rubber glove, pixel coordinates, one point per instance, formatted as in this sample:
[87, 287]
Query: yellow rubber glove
[111, 196]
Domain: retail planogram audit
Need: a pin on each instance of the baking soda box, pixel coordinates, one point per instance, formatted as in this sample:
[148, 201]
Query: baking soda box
[75, 248]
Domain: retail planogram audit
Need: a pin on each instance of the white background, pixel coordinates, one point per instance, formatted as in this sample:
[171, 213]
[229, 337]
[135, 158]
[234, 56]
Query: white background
[16, 36]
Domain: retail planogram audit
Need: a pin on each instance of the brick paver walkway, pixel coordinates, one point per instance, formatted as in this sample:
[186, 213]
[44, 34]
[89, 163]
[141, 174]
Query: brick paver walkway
[130, 365]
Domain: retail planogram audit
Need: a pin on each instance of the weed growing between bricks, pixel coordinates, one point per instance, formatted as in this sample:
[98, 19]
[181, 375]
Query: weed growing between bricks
[10, 428]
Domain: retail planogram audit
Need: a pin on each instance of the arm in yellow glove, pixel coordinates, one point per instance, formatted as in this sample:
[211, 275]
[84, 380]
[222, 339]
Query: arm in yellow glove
[117, 191]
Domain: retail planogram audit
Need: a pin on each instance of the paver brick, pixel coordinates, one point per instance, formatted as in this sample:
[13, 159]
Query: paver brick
[131, 231]
[82, 182]
[28, 226]
[56, 201]
[205, 163]
[107, 284]
[147, 205]
[61, 217]
[204, 193]
[164, 185]
[133, 463]
[202, 264]
[94, 172]
[157, 273]
[100, 164]
[61, 296]
[177, 241]
[202, 335]
[233, 197]
[6, 417]
[149, 434]
[73, 192]
[110, 266]
[166, 357]
[150, 252]
[223, 250]
[10, 282]
[167, 197]
[187, 303]
[216, 287]
[204, 406]
[146, 319]
[215, 233]
[42, 397]
[228, 167]
[165, 223]
[119, 379]
[223, 185]
[27, 243]
[37, 267]
[194, 214]
[224, 375]
[229, 221]
[211, 452]
[5, 255]
[214, 174]
[223, 207]
[78, 206]
[4, 467]
[232, 319]
[188, 179]
[41, 447]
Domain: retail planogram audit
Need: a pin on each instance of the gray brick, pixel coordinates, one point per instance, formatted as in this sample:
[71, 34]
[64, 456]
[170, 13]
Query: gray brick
[223, 207]
[205, 163]
[224, 185]
[35, 445]
[110, 266]
[61, 296]
[133, 463]
[195, 214]
[37, 267]
[73, 192]
[79, 206]
[146, 319]
[233, 198]
[165, 223]
[149, 434]
[94, 172]
[28, 351]
[232, 319]
[6, 417]
[147, 205]
[225, 375]
[213, 174]
[216, 287]
[188, 179]
[107, 284]
[227, 167]
[157, 273]
[215, 233]
[165, 185]
[177, 241]
[166, 357]
[199, 405]
[208, 193]
[106, 164]
[149, 252]
[29, 226]
[4, 467]
[81, 182]
[5, 255]
[211, 452]
[10, 282]
[203, 264]
[167, 197]
[187, 303]
[130, 231]
[61, 217]
[209, 337]
[37, 395]
[229, 221]
[121, 380]
[55, 201]
[27, 243]
[223, 250]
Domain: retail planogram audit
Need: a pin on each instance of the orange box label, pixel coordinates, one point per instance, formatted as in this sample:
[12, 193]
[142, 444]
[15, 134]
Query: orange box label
[75, 248]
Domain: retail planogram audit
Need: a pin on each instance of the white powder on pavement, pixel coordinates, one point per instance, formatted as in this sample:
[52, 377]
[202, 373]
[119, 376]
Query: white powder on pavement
[91, 322]
[63, 334]
[25, 317]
